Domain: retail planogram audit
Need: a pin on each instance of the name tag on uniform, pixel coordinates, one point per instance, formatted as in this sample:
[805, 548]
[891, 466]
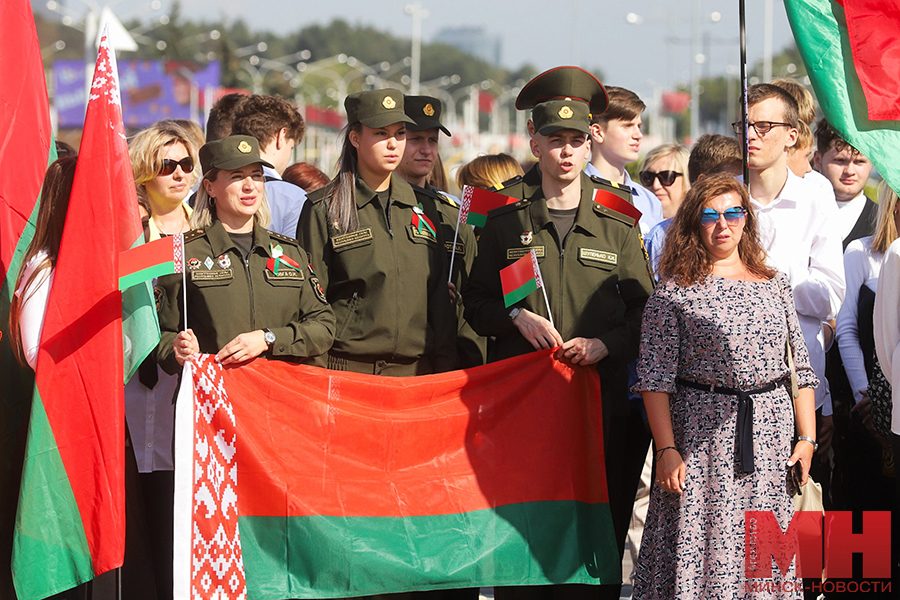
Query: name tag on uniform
[517, 253]
[284, 274]
[354, 237]
[601, 256]
[424, 234]
[460, 248]
[212, 275]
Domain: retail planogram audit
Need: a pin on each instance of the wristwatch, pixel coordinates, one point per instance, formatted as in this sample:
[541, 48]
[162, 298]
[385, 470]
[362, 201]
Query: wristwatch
[806, 438]
[270, 338]
[514, 313]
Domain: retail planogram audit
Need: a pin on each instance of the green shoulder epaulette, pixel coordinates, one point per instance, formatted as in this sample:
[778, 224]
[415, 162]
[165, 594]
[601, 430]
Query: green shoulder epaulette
[283, 238]
[611, 184]
[508, 183]
[318, 195]
[446, 199]
[193, 234]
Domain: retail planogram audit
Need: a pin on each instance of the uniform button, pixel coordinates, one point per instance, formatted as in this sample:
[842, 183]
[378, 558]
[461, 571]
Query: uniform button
[281, 348]
[150, 445]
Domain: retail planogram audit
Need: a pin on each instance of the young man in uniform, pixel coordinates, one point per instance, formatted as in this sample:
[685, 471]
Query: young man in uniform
[596, 278]
[798, 229]
[419, 159]
[278, 126]
[616, 141]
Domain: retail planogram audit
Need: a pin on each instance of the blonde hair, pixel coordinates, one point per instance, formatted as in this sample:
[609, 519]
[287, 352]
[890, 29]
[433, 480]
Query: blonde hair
[678, 153]
[147, 148]
[886, 227]
[805, 139]
[806, 106]
[205, 207]
[488, 171]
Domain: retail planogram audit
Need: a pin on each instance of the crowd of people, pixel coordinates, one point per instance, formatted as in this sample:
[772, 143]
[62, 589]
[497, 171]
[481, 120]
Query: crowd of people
[745, 334]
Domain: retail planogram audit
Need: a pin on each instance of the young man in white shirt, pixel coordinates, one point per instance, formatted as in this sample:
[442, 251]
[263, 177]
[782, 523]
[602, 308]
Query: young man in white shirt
[616, 141]
[797, 227]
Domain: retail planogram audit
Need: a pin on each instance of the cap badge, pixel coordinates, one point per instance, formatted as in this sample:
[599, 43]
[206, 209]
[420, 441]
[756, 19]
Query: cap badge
[244, 148]
[388, 102]
[565, 112]
[428, 110]
[526, 238]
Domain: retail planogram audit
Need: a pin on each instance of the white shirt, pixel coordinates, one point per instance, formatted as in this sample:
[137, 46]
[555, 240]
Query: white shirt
[798, 230]
[34, 305]
[861, 267]
[887, 326]
[850, 212]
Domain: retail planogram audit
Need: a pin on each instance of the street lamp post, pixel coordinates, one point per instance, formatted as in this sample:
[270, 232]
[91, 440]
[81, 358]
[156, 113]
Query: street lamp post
[418, 13]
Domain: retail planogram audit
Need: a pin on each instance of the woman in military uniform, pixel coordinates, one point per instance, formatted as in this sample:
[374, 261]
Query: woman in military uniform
[249, 291]
[378, 251]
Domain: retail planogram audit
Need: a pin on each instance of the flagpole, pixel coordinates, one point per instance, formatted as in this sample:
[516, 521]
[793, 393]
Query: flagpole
[537, 270]
[745, 150]
[184, 283]
[453, 251]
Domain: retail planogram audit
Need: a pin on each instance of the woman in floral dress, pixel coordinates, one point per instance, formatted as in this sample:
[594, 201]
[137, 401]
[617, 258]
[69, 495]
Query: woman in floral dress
[720, 317]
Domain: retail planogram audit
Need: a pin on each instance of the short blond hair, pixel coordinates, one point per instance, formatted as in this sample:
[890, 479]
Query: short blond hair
[678, 153]
[806, 106]
[147, 148]
[488, 171]
[204, 207]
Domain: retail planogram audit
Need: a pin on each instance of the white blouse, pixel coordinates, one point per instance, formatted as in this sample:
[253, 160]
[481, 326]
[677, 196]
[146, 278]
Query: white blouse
[887, 326]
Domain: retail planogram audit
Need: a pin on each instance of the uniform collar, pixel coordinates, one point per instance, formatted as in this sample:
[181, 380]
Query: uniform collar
[401, 192]
[540, 214]
[220, 241]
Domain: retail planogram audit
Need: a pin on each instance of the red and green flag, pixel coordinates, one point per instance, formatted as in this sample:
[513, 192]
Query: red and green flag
[521, 278]
[26, 148]
[299, 482]
[70, 524]
[850, 49]
[477, 203]
[164, 256]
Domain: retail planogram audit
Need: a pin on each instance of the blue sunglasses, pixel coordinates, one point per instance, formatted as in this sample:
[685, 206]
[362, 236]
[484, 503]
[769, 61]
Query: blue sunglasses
[733, 215]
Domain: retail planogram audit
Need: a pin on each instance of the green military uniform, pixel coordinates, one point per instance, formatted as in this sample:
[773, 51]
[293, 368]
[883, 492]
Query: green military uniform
[227, 296]
[387, 283]
[471, 348]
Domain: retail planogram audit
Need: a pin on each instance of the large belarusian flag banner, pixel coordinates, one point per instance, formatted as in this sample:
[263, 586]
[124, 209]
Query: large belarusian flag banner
[26, 148]
[852, 53]
[70, 524]
[309, 483]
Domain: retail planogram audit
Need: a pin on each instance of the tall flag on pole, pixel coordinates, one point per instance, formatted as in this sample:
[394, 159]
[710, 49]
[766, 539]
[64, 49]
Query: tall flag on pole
[856, 83]
[70, 525]
[26, 148]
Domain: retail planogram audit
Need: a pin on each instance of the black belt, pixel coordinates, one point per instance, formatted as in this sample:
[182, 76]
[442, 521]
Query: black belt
[744, 433]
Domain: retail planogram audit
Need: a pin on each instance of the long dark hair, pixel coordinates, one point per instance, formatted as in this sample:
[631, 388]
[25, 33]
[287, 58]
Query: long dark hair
[48, 231]
[342, 214]
[684, 257]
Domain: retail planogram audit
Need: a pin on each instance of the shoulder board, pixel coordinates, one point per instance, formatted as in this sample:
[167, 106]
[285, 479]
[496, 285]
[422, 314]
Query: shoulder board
[614, 214]
[508, 183]
[283, 238]
[447, 199]
[193, 234]
[508, 208]
[318, 195]
[610, 184]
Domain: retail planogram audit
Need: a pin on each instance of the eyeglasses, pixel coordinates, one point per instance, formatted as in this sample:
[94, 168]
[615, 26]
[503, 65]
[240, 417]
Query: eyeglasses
[666, 178]
[169, 165]
[733, 215]
[761, 127]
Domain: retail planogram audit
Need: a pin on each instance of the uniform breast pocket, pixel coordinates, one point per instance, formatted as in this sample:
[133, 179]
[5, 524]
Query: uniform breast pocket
[598, 259]
[211, 279]
[514, 254]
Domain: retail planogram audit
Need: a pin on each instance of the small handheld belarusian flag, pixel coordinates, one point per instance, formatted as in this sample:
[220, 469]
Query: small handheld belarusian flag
[164, 256]
[477, 203]
[520, 279]
[617, 203]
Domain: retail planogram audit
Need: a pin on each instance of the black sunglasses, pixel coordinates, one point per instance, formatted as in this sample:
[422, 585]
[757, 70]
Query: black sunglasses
[666, 178]
[169, 165]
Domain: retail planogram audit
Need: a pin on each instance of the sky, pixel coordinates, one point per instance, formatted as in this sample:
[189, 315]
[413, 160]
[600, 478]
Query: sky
[594, 34]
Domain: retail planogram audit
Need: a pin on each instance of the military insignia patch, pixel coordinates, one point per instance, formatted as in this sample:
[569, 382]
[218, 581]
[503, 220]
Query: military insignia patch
[317, 288]
[224, 261]
[244, 147]
[388, 102]
[526, 238]
[428, 109]
[209, 263]
[193, 264]
[566, 112]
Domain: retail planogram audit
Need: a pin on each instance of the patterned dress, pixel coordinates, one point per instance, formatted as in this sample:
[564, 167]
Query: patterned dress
[731, 333]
